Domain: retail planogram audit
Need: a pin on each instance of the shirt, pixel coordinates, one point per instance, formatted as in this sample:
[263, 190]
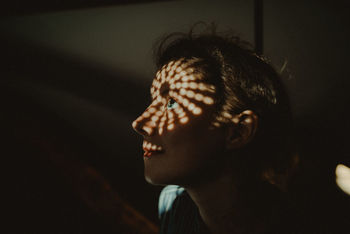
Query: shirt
[178, 213]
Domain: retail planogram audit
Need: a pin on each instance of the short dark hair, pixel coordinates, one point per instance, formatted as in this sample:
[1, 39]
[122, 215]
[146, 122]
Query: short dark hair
[244, 81]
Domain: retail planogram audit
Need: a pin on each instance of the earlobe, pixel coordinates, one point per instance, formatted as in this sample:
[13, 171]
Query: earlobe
[242, 130]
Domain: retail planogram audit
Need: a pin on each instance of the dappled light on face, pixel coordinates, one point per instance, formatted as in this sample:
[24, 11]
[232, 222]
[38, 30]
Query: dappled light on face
[179, 94]
[225, 116]
[184, 120]
[170, 126]
[208, 100]
[146, 114]
[342, 173]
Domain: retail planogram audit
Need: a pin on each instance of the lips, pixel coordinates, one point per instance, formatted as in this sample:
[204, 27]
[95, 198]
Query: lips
[151, 149]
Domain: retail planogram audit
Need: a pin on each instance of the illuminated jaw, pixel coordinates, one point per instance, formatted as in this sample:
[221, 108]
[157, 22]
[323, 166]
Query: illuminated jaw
[179, 94]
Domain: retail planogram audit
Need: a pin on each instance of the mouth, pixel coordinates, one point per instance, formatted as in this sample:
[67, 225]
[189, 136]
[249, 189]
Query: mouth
[151, 149]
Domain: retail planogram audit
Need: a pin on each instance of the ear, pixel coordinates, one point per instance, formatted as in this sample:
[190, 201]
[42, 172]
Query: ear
[242, 129]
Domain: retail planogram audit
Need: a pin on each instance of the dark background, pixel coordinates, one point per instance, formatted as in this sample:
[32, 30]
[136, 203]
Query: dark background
[74, 75]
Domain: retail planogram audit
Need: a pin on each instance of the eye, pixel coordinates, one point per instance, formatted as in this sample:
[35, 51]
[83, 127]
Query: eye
[171, 104]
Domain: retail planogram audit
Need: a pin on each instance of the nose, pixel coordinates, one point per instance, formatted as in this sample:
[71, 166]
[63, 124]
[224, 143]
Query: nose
[143, 125]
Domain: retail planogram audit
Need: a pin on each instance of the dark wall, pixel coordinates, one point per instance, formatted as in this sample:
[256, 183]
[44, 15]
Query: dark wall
[311, 38]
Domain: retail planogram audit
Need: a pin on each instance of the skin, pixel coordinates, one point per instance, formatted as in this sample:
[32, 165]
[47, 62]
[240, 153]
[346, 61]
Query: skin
[196, 148]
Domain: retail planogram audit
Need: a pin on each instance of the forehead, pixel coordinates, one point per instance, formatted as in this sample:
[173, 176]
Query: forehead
[172, 73]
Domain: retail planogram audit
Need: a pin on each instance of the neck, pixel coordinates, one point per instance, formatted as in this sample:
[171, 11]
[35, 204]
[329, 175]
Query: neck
[222, 205]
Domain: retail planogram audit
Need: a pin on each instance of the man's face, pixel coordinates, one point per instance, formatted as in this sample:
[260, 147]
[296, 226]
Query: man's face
[180, 143]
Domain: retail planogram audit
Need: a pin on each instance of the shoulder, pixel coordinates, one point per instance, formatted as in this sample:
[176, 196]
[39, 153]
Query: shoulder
[167, 198]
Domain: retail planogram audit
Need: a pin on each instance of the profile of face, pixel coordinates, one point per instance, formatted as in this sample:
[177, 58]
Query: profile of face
[182, 136]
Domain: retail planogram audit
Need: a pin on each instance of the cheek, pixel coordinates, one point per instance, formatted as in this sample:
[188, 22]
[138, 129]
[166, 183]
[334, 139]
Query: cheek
[196, 139]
